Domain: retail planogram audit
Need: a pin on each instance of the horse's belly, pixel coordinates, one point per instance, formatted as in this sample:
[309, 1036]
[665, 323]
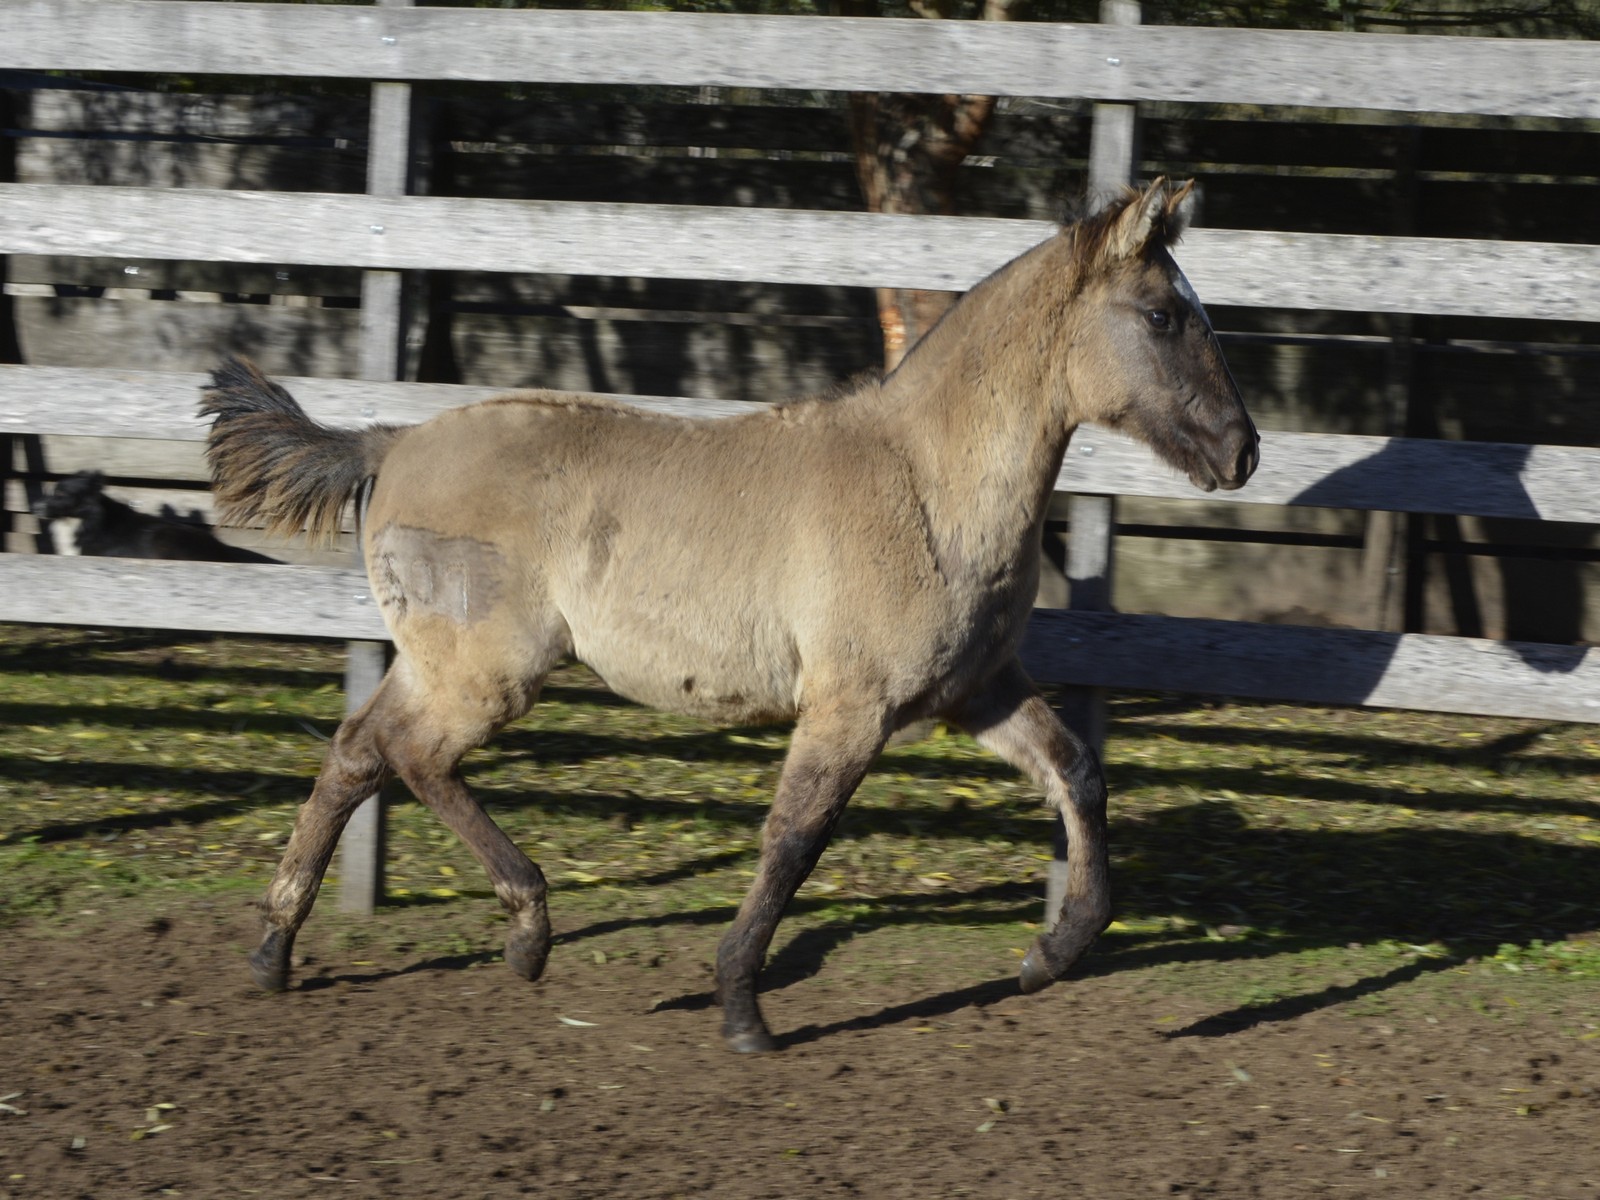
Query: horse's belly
[744, 679]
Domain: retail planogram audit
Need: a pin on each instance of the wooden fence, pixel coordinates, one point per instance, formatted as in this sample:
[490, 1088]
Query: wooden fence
[1327, 171]
[387, 234]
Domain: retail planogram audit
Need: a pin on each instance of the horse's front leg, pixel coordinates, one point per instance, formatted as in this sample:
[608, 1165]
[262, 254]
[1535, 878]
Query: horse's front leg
[1010, 717]
[830, 751]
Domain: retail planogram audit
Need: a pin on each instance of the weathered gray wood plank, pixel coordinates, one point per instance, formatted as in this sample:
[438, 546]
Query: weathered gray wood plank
[1485, 479]
[161, 405]
[297, 601]
[127, 457]
[1237, 267]
[1443, 276]
[1488, 479]
[1423, 73]
[436, 232]
[1091, 649]
[1314, 666]
[361, 845]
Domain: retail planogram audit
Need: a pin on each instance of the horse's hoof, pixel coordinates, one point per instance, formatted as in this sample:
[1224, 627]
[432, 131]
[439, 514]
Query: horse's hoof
[527, 956]
[1035, 974]
[270, 969]
[752, 1041]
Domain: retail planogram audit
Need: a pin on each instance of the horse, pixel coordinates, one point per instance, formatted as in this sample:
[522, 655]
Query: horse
[850, 564]
[84, 520]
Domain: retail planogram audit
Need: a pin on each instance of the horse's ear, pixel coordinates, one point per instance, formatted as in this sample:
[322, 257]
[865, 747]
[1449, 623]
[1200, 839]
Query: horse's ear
[1141, 216]
[1180, 210]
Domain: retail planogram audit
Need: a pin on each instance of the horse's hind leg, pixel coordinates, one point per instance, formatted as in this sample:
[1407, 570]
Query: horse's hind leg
[436, 723]
[398, 732]
[352, 770]
[433, 777]
[1010, 718]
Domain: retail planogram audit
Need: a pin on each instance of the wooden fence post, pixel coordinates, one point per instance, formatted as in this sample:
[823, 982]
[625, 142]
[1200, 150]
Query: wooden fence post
[1386, 534]
[382, 350]
[30, 476]
[1092, 520]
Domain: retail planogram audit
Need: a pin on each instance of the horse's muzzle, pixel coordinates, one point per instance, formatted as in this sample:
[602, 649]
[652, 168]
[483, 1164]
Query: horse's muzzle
[1244, 463]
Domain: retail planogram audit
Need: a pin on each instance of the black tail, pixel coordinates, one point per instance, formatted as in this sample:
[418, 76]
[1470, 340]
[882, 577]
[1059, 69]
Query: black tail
[273, 465]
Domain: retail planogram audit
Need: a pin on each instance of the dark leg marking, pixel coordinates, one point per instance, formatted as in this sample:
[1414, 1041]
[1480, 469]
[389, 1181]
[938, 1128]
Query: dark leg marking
[518, 883]
[351, 771]
[828, 756]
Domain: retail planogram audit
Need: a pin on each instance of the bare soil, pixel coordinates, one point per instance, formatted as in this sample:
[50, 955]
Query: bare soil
[137, 1060]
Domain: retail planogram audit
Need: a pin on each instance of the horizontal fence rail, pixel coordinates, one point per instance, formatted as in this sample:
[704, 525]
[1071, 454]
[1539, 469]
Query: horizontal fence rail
[1104, 62]
[1325, 471]
[1487, 479]
[265, 598]
[1315, 666]
[1442, 276]
[82, 402]
[1357, 667]
[1340, 470]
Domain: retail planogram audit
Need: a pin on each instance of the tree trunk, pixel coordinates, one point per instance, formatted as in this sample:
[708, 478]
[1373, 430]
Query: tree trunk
[908, 150]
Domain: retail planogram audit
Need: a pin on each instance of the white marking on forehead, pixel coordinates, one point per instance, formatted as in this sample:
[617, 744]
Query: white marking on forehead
[1184, 288]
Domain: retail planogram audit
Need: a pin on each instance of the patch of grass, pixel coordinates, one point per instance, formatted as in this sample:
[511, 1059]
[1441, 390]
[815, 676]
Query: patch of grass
[1262, 854]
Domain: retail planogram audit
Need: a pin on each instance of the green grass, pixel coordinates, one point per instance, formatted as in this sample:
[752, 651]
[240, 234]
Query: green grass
[1262, 854]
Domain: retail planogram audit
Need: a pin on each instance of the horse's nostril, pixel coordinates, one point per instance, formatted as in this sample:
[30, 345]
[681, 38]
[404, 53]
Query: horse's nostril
[1249, 456]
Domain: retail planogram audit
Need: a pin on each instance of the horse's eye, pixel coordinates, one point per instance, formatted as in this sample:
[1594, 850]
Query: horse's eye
[1159, 318]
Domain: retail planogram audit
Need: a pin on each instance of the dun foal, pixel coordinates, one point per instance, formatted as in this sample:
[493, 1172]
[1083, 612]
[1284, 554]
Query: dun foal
[851, 565]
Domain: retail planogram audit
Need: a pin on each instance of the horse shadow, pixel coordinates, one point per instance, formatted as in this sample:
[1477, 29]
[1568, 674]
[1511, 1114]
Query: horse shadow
[1276, 891]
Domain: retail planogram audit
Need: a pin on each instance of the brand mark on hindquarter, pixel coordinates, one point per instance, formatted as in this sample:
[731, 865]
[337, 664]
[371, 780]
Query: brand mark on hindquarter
[418, 570]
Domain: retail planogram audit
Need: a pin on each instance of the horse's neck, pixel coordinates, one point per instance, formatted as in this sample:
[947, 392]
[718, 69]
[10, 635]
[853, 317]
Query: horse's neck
[981, 408]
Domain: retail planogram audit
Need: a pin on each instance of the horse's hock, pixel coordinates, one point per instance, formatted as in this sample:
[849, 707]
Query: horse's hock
[129, 275]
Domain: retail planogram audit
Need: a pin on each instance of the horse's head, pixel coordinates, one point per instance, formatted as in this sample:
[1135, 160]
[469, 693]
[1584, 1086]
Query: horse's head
[1146, 360]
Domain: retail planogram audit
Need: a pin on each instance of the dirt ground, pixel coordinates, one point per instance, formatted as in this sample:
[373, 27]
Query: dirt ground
[136, 1060]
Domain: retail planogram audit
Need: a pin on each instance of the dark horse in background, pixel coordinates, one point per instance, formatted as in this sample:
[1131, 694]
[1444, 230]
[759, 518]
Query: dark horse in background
[851, 565]
[84, 520]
